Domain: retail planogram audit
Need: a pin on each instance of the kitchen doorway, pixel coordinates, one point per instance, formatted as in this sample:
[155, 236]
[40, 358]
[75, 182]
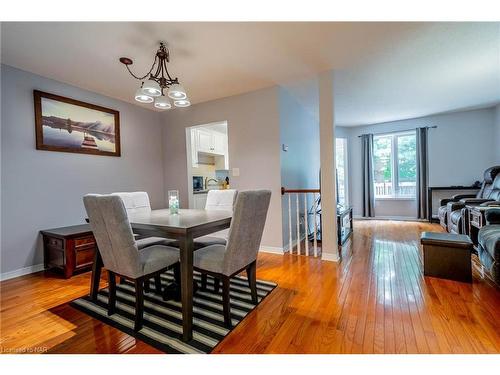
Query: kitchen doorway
[207, 161]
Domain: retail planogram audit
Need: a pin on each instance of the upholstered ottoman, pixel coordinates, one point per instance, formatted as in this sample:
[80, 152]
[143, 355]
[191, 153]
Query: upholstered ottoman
[447, 256]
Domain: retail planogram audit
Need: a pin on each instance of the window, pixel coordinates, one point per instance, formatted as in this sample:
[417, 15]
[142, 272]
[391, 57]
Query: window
[395, 165]
[341, 164]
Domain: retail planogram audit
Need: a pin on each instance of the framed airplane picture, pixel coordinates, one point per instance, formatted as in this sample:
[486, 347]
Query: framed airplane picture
[68, 125]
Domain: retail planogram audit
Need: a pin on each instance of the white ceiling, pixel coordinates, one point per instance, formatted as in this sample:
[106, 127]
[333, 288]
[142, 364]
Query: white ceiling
[385, 71]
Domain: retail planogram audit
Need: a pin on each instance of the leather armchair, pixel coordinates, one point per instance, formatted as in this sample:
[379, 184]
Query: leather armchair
[489, 243]
[455, 204]
[459, 213]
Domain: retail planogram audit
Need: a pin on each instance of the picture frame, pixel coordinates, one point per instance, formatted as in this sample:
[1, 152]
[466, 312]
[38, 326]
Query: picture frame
[68, 125]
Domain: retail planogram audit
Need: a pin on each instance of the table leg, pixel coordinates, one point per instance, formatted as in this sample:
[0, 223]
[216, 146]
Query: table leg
[96, 275]
[186, 253]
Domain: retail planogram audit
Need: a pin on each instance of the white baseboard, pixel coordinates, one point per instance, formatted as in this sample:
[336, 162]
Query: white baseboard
[21, 272]
[330, 257]
[271, 250]
[392, 218]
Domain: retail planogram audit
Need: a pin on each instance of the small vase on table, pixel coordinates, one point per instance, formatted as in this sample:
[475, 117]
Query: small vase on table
[173, 201]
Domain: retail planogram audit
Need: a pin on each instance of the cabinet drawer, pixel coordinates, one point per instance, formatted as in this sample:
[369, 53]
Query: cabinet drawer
[55, 257]
[84, 257]
[84, 242]
[55, 242]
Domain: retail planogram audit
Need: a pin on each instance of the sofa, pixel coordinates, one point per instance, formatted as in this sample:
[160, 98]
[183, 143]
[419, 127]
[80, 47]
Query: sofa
[453, 214]
[489, 244]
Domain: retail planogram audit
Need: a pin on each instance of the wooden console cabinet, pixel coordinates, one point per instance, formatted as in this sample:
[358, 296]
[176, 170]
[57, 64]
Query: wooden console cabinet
[69, 249]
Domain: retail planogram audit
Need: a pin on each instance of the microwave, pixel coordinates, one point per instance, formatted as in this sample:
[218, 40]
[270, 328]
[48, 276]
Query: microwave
[197, 183]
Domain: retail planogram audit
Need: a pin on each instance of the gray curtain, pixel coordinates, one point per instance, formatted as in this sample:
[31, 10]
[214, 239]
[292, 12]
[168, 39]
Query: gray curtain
[367, 168]
[422, 173]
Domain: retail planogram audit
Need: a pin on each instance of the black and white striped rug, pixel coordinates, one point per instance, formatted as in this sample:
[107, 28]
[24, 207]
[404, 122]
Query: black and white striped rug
[163, 319]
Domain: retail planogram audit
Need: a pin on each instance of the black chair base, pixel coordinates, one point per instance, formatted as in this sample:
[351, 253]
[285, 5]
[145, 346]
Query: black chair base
[226, 281]
[141, 286]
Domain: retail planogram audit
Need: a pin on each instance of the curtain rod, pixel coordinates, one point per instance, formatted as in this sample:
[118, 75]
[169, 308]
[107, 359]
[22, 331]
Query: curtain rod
[401, 131]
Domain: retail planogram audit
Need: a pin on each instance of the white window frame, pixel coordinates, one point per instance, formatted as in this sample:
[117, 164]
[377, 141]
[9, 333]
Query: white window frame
[346, 169]
[395, 166]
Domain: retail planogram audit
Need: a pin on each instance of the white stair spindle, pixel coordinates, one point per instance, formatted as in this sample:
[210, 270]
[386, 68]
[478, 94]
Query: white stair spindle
[298, 224]
[315, 225]
[290, 249]
[305, 225]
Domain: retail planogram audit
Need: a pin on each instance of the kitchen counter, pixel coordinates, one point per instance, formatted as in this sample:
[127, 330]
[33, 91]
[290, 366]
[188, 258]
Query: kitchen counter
[205, 191]
[200, 192]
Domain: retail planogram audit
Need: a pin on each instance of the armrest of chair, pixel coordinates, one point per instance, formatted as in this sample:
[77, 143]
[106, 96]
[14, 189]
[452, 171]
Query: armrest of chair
[458, 197]
[492, 216]
[453, 206]
[475, 201]
[444, 202]
[491, 204]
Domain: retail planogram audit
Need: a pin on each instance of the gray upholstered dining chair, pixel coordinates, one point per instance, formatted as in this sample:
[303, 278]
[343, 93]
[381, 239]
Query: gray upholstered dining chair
[120, 254]
[217, 200]
[240, 253]
[137, 202]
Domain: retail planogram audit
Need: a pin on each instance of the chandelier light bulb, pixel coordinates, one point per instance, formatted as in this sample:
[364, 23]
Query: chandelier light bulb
[177, 92]
[182, 103]
[142, 98]
[151, 88]
[162, 102]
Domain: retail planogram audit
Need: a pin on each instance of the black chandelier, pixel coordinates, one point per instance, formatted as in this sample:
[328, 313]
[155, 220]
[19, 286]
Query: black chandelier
[152, 88]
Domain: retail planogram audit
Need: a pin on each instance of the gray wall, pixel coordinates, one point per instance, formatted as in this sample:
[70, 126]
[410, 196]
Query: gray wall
[253, 140]
[460, 149]
[43, 189]
[300, 165]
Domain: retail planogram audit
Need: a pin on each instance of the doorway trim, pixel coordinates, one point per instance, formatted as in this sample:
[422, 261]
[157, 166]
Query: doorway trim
[189, 158]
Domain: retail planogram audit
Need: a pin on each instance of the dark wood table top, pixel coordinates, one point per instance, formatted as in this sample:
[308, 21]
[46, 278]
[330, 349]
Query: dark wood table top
[186, 221]
[73, 230]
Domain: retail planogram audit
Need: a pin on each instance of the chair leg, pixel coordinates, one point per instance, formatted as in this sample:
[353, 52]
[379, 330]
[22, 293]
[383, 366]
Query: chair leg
[226, 302]
[216, 285]
[203, 281]
[139, 303]
[177, 273]
[147, 287]
[158, 284]
[252, 280]
[112, 293]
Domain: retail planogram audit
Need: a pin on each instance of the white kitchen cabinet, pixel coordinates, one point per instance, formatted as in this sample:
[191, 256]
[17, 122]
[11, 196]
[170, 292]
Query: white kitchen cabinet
[199, 201]
[219, 143]
[205, 142]
[209, 142]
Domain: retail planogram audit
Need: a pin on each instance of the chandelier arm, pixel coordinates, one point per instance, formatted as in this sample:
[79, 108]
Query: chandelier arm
[158, 69]
[168, 75]
[148, 73]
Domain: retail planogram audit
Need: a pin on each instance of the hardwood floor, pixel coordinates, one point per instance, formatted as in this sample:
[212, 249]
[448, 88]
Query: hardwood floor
[375, 301]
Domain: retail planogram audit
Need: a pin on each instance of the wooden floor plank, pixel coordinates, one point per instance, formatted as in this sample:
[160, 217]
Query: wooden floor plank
[376, 300]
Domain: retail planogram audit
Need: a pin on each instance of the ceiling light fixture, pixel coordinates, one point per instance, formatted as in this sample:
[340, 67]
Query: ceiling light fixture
[182, 103]
[162, 102]
[143, 98]
[152, 88]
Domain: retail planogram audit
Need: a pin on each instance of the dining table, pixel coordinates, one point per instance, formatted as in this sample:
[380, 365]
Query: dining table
[184, 226]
